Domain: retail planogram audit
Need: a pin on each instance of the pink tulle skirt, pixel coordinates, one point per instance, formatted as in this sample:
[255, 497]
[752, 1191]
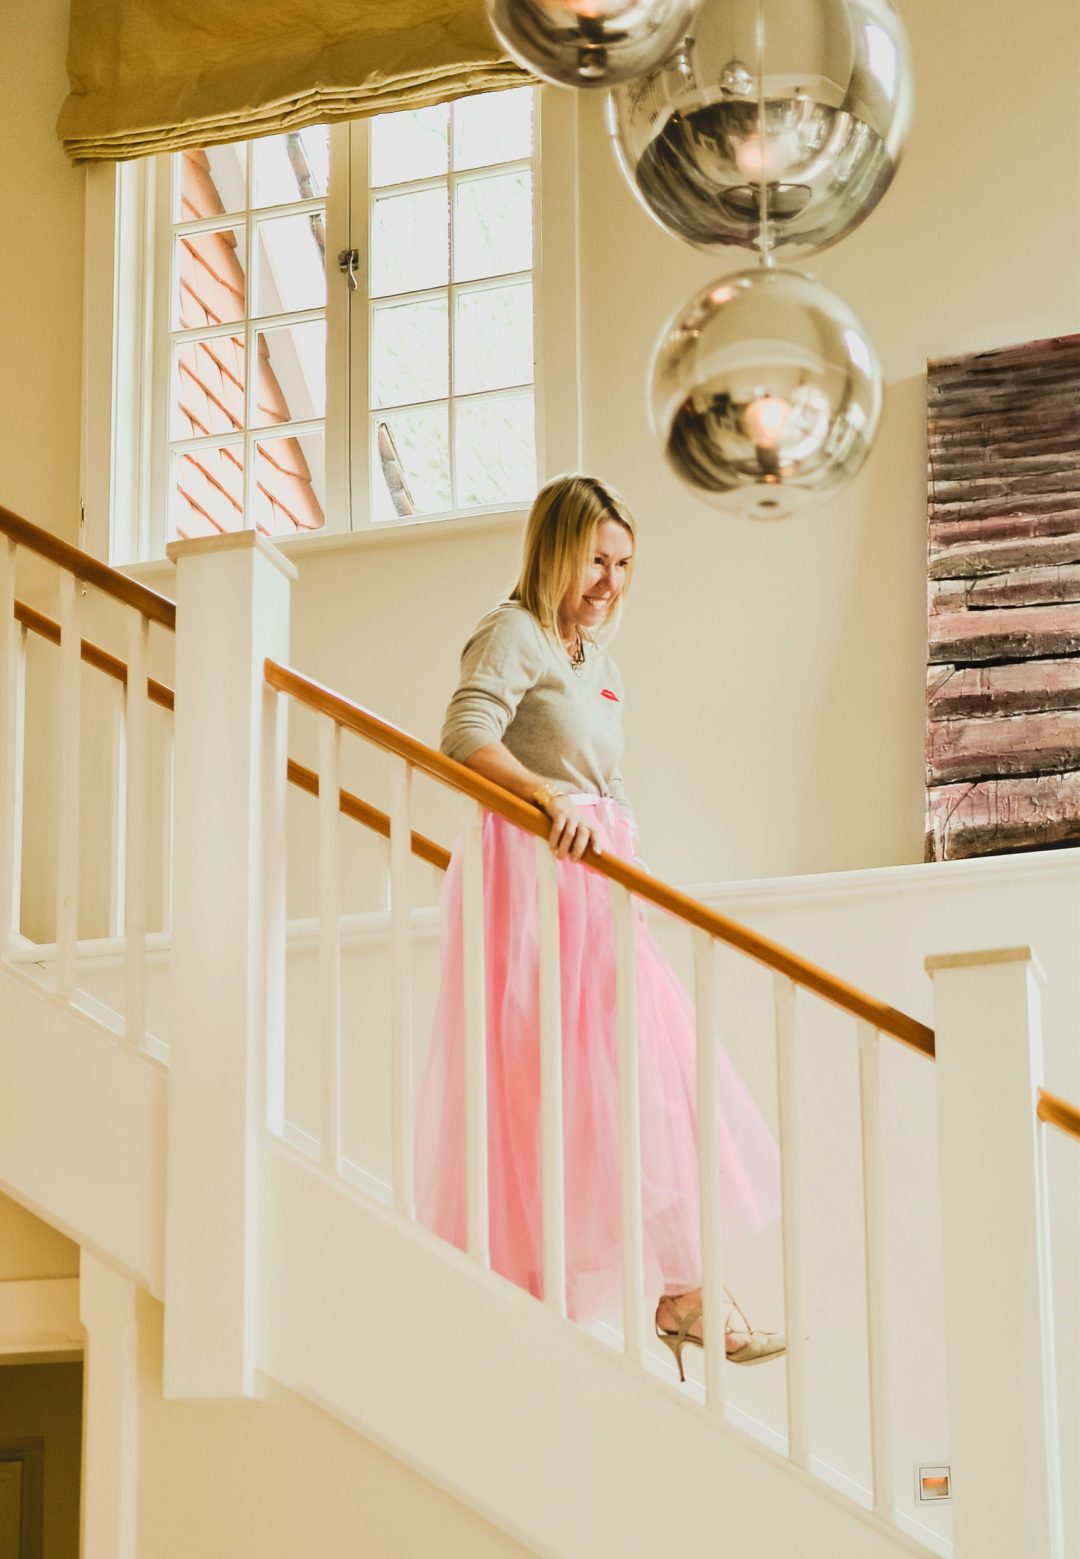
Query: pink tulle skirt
[749, 1168]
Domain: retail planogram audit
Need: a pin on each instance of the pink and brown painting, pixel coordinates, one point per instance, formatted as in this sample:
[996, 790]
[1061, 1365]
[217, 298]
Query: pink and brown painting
[1003, 672]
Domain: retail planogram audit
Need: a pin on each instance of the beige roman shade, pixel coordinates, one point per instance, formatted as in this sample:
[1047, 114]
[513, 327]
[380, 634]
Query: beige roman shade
[155, 75]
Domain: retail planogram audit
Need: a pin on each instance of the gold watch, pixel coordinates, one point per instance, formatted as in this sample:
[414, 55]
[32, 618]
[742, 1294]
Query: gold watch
[544, 795]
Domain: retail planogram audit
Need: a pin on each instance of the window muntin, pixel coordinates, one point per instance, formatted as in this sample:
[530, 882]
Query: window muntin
[134, 425]
[450, 351]
[247, 334]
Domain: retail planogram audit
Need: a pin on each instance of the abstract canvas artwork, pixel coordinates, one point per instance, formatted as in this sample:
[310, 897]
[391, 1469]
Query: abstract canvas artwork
[1003, 672]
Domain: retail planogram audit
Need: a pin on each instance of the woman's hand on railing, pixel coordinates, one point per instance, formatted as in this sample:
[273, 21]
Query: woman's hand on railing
[571, 831]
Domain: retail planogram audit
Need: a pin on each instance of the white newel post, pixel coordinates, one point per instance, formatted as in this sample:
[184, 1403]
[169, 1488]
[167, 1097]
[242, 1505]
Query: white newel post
[999, 1341]
[228, 964]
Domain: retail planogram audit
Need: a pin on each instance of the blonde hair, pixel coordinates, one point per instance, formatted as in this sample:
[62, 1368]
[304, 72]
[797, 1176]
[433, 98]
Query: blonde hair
[559, 538]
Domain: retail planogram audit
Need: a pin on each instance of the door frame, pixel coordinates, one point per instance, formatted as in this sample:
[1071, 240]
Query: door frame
[30, 1453]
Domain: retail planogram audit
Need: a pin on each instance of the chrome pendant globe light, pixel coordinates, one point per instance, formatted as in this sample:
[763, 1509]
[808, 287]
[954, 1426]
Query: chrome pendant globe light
[771, 125]
[765, 393]
[777, 126]
[790, 113]
[589, 43]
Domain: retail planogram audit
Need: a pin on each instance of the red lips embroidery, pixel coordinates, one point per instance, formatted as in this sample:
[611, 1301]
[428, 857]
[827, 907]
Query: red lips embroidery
[605, 692]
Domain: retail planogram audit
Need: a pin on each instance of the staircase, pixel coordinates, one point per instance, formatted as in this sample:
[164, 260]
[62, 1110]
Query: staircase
[212, 1093]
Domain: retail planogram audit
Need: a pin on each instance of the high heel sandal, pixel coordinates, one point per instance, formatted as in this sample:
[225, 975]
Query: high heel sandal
[678, 1339]
[758, 1347]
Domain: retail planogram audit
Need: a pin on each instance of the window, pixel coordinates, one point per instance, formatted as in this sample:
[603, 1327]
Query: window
[450, 352]
[245, 440]
[337, 329]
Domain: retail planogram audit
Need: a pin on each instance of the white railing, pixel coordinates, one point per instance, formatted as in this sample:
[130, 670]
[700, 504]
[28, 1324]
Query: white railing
[408, 757]
[227, 1078]
[117, 751]
[997, 1009]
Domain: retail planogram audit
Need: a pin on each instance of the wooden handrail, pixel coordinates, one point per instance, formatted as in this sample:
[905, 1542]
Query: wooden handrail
[1058, 1112]
[370, 816]
[354, 718]
[91, 653]
[110, 581]
[297, 774]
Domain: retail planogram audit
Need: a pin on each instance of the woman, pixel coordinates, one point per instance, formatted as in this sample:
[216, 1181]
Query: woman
[538, 709]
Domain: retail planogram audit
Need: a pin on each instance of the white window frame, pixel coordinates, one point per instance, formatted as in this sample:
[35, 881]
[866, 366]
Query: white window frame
[126, 351]
[164, 290]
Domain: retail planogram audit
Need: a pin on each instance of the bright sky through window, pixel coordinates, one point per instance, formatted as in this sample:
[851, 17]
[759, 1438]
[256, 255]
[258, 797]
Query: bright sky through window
[451, 326]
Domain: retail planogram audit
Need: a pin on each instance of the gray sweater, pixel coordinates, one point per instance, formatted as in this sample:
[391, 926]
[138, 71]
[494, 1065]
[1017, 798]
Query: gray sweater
[517, 687]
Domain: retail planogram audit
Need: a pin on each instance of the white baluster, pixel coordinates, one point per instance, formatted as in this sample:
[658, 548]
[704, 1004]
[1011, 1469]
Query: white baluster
[273, 765]
[401, 990]
[386, 872]
[551, 1080]
[622, 905]
[135, 840]
[786, 1075]
[329, 942]
[15, 917]
[476, 1134]
[168, 779]
[117, 849]
[712, 1269]
[67, 867]
[874, 1218]
[9, 702]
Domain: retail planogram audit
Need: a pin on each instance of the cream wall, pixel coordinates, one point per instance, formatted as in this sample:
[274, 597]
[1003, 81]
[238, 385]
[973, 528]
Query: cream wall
[41, 273]
[41, 321]
[776, 674]
[278, 1478]
[31, 1249]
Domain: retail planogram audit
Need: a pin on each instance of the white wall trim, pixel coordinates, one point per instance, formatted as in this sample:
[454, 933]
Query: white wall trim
[750, 893]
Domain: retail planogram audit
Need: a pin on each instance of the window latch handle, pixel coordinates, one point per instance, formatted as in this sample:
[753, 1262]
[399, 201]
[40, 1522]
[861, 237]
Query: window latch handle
[348, 263]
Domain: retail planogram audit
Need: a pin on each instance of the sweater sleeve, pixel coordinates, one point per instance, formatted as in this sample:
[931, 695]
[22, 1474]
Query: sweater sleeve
[499, 664]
